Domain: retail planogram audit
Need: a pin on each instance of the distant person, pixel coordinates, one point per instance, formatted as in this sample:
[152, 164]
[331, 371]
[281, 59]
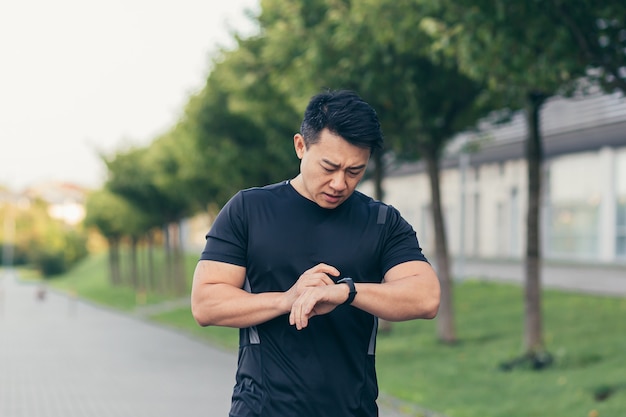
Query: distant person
[305, 267]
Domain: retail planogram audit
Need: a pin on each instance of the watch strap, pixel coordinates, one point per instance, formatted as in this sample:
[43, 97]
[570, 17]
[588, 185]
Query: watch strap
[350, 282]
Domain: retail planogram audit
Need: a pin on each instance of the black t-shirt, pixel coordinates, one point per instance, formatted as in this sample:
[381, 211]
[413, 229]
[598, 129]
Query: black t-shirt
[326, 369]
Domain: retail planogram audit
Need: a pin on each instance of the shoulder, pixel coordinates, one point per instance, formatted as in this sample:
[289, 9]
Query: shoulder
[248, 204]
[377, 208]
[264, 194]
[265, 191]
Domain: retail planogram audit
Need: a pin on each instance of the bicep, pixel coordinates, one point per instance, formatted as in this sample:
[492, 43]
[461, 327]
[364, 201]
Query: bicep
[214, 272]
[417, 269]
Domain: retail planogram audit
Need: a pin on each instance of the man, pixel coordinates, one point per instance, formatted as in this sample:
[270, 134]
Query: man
[304, 268]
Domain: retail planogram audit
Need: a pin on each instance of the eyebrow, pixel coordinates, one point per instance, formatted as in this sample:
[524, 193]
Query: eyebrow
[337, 165]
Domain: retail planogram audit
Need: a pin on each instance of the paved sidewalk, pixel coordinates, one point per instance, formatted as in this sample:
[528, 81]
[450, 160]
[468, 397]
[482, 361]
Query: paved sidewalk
[61, 357]
[588, 278]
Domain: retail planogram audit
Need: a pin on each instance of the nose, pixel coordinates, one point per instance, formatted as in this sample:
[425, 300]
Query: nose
[338, 181]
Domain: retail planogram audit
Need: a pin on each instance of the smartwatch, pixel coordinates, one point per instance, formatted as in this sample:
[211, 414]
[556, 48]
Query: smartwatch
[352, 293]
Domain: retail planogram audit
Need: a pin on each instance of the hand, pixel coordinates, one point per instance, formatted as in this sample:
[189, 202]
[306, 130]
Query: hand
[315, 293]
[314, 277]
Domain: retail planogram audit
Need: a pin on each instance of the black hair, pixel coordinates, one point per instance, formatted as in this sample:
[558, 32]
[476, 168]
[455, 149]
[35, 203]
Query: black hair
[343, 113]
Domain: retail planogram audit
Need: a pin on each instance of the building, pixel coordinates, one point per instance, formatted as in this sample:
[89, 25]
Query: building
[66, 201]
[484, 199]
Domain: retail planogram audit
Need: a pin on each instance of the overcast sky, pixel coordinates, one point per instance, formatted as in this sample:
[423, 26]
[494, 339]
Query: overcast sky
[80, 76]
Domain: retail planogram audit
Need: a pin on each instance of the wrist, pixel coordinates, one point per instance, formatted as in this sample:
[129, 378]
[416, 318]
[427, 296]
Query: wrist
[349, 282]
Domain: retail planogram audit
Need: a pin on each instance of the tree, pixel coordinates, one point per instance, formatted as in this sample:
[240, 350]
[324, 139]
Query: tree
[598, 28]
[147, 178]
[525, 59]
[109, 213]
[240, 128]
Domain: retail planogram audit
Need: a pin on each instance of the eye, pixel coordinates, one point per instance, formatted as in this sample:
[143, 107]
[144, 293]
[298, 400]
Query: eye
[354, 173]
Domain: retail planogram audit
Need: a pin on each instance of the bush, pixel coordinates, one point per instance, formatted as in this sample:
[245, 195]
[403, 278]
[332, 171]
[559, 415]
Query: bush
[50, 263]
[56, 256]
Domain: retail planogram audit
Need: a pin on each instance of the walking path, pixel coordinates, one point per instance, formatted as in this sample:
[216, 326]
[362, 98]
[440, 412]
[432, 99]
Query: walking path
[593, 279]
[60, 357]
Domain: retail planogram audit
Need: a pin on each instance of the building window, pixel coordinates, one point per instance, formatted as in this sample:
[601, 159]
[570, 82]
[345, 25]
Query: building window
[476, 226]
[620, 229]
[514, 238]
[573, 231]
[501, 230]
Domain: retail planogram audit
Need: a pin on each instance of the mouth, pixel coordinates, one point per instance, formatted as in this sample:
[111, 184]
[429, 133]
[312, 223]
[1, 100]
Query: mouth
[332, 198]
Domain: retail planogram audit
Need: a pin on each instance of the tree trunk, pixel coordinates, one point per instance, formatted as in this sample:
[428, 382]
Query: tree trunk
[445, 318]
[115, 275]
[167, 280]
[134, 268]
[180, 278]
[151, 281]
[533, 340]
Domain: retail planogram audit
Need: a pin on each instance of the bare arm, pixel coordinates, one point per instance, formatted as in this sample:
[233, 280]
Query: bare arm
[409, 291]
[217, 297]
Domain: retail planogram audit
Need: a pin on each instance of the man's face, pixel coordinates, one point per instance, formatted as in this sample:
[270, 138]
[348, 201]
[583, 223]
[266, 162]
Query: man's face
[329, 169]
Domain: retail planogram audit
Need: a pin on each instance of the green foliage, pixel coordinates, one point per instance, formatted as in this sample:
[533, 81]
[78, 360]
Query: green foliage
[599, 31]
[43, 242]
[109, 213]
[137, 176]
[59, 250]
[89, 280]
[49, 262]
[379, 49]
[517, 47]
[240, 127]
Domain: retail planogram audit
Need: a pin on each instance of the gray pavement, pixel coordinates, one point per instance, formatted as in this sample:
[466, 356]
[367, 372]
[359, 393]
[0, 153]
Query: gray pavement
[597, 279]
[62, 357]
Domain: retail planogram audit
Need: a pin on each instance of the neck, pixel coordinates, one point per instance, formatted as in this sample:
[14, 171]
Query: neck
[296, 183]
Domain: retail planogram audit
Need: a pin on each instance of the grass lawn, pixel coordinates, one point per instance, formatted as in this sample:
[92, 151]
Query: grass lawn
[585, 334]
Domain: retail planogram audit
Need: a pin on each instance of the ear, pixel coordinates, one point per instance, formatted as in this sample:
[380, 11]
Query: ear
[299, 145]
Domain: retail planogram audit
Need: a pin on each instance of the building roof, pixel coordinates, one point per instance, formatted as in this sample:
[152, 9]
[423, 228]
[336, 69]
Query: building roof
[568, 125]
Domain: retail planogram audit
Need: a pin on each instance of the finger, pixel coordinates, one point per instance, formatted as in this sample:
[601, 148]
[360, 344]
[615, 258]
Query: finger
[292, 317]
[298, 311]
[302, 310]
[316, 280]
[325, 268]
[294, 313]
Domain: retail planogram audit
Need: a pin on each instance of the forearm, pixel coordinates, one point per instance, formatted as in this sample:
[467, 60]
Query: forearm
[404, 299]
[224, 305]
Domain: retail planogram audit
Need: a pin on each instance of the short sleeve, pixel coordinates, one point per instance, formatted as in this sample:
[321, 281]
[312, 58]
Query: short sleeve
[227, 239]
[400, 242]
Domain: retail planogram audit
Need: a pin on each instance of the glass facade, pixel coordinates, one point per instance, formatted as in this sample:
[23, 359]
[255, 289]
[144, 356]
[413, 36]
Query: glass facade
[620, 229]
[573, 231]
[620, 210]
